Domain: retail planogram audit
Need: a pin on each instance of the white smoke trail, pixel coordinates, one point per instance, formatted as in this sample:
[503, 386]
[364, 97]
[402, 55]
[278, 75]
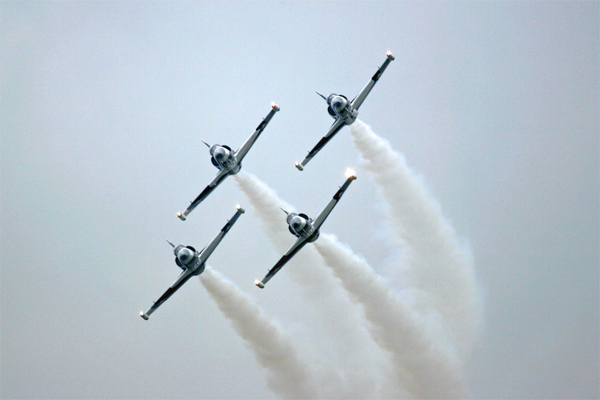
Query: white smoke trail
[288, 376]
[426, 365]
[364, 367]
[439, 268]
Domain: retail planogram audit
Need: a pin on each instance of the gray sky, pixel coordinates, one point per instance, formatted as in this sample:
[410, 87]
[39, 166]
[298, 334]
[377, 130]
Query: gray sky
[105, 104]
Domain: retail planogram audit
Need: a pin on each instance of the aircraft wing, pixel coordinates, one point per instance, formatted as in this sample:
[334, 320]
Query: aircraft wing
[241, 153]
[335, 128]
[215, 242]
[286, 257]
[208, 190]
[358, 100]
[183, 278]
[336, 197]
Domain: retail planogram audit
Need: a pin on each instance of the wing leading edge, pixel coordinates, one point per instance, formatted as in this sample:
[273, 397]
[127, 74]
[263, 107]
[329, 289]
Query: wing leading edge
[286, 257]
[358, 100]
[335, 128]
[183, 278]
[333, 202]
[241, 153]
[208, 190]
[215, 242]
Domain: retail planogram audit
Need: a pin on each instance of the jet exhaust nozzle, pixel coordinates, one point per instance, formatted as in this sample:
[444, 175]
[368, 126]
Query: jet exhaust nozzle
[143, 315]
[259, 284]
[299, 166]
[181, 216]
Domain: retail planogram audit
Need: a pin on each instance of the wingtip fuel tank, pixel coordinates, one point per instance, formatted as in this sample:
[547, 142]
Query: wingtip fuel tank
[350, 174]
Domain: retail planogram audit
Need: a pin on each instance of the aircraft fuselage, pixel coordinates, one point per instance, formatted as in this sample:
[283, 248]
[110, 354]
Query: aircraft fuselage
[223, 158]
[340, 108]
[301, 226]
[187, 258]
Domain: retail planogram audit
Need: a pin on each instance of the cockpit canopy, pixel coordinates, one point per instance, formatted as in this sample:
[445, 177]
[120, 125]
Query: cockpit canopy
[338, 103]
[221, 154]
[300, 225]
[184, 254]
[297, 223]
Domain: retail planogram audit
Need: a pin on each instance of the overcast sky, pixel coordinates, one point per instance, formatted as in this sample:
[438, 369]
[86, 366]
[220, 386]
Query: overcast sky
[103, 109]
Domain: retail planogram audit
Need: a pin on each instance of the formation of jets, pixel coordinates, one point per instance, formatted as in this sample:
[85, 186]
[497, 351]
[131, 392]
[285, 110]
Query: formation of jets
[229, 162]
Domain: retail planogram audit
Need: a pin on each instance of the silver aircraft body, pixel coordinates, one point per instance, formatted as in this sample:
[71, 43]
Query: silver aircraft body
[227, 161]
[305, 229]
[344, 112]
[192, 262]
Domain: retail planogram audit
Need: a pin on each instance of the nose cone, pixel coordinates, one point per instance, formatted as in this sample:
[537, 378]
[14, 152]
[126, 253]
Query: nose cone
[185, 255]
[338, 103]
[221, 154]
[297, 223]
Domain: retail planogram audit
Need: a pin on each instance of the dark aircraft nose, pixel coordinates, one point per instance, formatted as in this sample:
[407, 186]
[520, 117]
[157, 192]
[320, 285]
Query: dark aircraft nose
[221, 154]
[338, 103]
[297, 223]
[185, 255]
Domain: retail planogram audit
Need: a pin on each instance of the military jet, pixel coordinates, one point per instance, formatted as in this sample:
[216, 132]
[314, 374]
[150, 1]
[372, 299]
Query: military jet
[191, 262]
[343, 111]
[305, 229]
[227, 161]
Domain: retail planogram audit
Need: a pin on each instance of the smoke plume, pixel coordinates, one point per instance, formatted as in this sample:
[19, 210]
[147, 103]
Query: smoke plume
[288, 376]
[439, 269]
[426, 365]
[364, 368]
[388, 344]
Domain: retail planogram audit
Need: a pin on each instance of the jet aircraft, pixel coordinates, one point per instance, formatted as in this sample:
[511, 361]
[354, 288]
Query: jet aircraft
[343, 111]
[305, 229]
[191, 262]
[227, 161]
